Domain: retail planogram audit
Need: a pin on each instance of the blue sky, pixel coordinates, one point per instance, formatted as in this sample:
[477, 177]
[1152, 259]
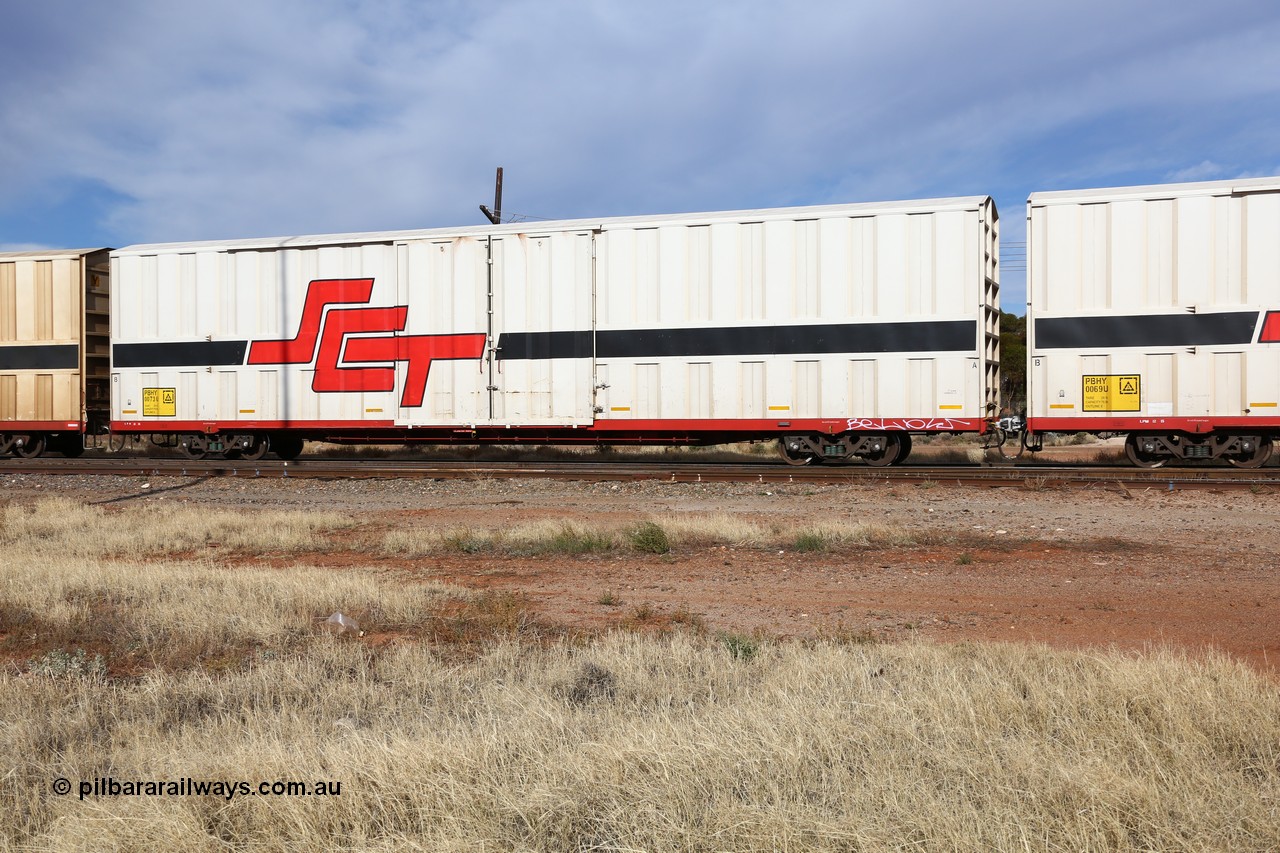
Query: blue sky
[165, 120]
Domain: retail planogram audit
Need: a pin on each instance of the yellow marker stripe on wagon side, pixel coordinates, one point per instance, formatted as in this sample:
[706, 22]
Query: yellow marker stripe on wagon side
[1062, 405]
[951, 407]
[1262, 405]
[779, 408]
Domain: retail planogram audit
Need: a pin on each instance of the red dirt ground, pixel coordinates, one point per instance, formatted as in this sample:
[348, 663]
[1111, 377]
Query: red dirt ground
[1061, 596]
[1070, 568]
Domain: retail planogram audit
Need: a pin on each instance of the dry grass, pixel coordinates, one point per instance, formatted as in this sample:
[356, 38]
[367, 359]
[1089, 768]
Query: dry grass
[655, 535]
[142, 615]
[641, 744]
[68, 528]
[689, 741]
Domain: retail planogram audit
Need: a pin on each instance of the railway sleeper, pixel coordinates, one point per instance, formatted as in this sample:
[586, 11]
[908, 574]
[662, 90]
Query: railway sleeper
[1152, 450]
[875, 449]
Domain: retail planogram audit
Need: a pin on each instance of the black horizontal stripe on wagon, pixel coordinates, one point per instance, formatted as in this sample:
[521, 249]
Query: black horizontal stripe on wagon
[910, 337]
[1145, 330]
[40, 357]
[179, 354]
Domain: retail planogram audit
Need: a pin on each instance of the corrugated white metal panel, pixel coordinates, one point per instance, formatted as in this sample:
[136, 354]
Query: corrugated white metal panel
[820, 268]
[445, 281]
[1156, 191]
[1168, 284]
[569, 321]
[542, 285]
[185, 297]
[686, 219]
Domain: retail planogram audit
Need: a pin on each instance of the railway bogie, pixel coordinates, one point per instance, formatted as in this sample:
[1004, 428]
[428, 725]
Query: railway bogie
[243, 445]
[1153, 450]
[874, 448]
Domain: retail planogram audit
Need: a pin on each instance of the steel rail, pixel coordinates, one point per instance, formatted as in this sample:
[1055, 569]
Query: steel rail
[1035, 475]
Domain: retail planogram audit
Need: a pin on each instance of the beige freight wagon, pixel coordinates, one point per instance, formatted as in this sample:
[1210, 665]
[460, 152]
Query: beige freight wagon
[54, 349]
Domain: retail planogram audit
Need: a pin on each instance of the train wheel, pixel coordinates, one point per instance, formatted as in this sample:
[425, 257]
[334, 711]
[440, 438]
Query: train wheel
[29, 446]
[194, 446]
[889, 454]
[1260, 455]
[905, 440]
[6, 444]
[796, 455]
[287, 447]
[257, 450]
[1138, 456]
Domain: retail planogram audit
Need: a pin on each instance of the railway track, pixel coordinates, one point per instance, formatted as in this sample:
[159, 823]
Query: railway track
[1026, 474]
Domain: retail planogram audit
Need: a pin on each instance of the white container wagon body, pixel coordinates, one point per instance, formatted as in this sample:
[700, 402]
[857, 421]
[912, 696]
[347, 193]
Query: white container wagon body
[1155, 311]
[841, 329]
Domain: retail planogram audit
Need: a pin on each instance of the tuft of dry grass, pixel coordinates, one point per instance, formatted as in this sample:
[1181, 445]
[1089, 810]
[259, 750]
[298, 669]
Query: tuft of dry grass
[144, 615]
[564, 536]
[658, 535]
[68, 528]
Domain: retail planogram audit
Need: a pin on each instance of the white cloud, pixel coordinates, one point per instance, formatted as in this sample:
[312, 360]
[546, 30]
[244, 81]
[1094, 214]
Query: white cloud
[23, 247]
[1205, 170]
[238, 119]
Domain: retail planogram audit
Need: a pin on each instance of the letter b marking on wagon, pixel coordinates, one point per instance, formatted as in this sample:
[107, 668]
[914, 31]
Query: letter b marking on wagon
[351, 347]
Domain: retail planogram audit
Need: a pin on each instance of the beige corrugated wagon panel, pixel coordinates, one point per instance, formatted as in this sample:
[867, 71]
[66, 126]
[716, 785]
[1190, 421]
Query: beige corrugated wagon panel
[51, 303]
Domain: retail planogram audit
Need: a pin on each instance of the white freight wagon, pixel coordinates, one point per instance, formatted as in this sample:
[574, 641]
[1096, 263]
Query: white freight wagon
[1155, 311]
[841, 329]
[53, 349]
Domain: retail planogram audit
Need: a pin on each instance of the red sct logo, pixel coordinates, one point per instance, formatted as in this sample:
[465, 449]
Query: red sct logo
[371, 341]
[1270, 333]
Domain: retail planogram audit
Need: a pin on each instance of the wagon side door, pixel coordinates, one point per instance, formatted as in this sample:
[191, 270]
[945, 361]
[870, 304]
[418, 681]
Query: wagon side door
[442, 365]
[543, 304]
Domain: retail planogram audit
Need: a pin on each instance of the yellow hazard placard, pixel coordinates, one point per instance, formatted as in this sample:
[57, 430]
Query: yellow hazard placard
[1112, 394]
[159, 402]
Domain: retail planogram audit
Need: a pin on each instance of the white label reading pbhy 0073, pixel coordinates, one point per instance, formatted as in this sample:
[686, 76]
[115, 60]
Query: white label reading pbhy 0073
[159, 402]
[1111, 394]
